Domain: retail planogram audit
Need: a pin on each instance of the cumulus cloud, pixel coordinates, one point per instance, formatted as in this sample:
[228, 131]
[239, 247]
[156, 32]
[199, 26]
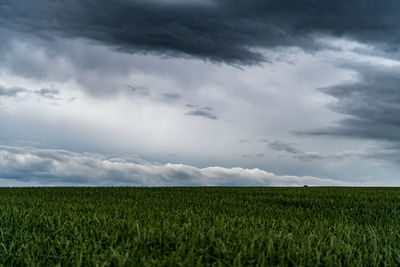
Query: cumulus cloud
[218, 30]
[52, 167]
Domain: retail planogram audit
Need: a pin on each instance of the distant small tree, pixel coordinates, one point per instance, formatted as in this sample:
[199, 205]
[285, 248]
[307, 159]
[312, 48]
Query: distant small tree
[305, 185]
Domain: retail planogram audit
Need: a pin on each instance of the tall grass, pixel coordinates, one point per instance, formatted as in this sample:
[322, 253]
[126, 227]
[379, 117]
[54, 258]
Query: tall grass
[199, 226]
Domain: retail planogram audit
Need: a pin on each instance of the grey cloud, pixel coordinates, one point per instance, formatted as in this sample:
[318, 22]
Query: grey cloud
[259, 155]
[14, 91]
[146, 92]
[307, 156]
[51, 166]
[280, 146]
[96, 69]
[192, 106]
[295, 153]
[222, 30]
[384, 154]
[172, 96]
[11, 92]
[139, 90]
[48, 93]
[200, 111]
[371, 106]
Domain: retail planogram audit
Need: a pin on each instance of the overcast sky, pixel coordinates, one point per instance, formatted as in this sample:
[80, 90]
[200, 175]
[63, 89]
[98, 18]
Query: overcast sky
[199, 92]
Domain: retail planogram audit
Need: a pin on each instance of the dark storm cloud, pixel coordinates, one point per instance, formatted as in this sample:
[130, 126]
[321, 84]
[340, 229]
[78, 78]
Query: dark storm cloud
[371, 106]
[219, 30]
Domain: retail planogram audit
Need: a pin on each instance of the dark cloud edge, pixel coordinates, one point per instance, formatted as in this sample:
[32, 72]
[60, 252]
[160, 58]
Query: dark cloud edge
[222, 31]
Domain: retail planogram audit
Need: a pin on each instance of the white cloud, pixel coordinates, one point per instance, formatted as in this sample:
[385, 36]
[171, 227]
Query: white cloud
[60, 167]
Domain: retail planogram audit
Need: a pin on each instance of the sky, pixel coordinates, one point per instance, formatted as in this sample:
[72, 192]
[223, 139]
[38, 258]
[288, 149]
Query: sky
[199, 93]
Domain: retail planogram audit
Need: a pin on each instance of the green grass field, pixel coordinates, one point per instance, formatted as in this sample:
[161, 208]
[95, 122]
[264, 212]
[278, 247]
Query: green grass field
[199, 226]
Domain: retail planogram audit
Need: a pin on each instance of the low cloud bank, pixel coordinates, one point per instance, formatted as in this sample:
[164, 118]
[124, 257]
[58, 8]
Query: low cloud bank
[33, 166]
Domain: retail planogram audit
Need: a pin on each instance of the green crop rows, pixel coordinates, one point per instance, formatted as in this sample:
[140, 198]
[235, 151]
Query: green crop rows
[199, 226]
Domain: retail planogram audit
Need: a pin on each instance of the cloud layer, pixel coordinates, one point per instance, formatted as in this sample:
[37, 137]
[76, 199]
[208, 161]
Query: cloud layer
[55, 167]
[218, 30]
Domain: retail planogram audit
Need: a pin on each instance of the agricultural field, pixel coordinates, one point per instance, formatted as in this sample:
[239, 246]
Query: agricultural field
[199, 226]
